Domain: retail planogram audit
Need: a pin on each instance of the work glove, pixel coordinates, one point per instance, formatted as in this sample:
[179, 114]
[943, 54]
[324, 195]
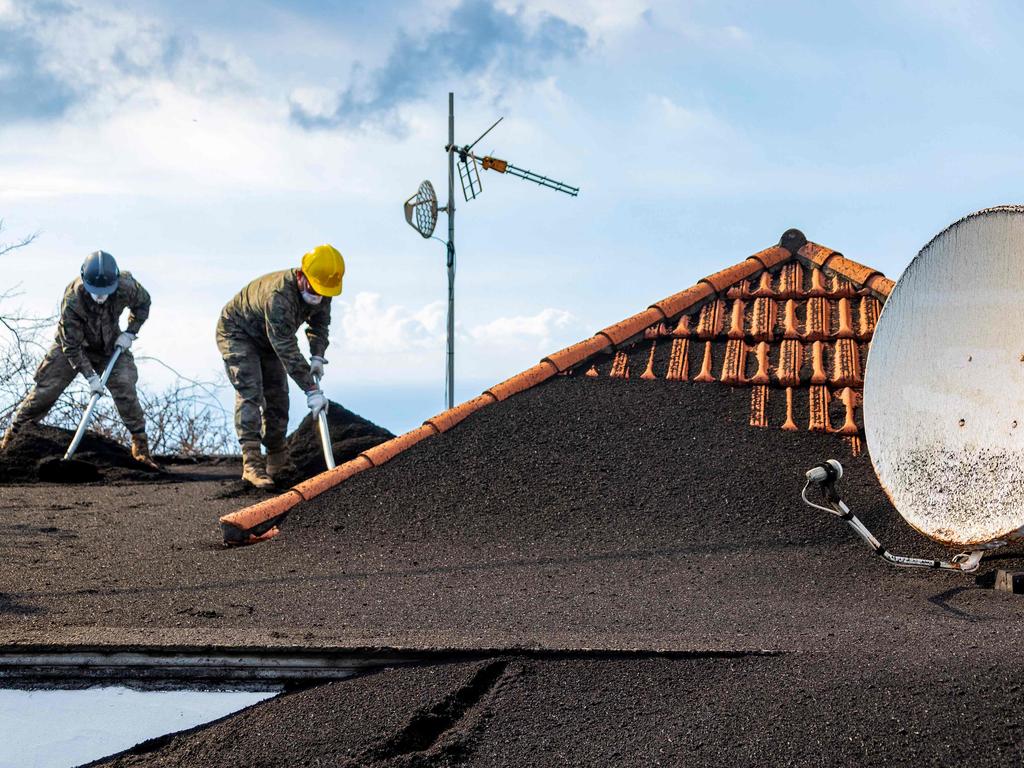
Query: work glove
[95, 385]
[124, 341]
[316, 401]
[316, 365]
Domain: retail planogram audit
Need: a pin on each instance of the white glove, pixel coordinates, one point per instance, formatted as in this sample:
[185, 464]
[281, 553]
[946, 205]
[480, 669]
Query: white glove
[316, 366]
[95, 385]
[124, 341]
[316, 401]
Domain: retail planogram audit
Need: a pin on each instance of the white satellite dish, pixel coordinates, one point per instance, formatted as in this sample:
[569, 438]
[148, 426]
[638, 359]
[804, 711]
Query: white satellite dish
[944, 393]
[944, 386]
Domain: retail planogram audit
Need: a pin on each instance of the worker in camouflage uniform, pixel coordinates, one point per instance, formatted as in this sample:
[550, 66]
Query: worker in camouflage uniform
[256, 338]
[88, 332]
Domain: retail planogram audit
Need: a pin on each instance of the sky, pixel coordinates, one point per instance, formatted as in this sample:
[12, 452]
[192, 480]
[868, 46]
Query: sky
[204, 144]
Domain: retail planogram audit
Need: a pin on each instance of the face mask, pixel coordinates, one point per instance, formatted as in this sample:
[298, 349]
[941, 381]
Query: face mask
[311, 298]
[99, 299]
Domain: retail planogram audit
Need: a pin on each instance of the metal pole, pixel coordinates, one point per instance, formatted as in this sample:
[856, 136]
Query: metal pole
[83, 425]
[325, 435]
[450, 374]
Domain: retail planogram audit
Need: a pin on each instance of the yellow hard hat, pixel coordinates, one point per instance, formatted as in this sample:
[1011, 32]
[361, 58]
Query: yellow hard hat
[324, 267]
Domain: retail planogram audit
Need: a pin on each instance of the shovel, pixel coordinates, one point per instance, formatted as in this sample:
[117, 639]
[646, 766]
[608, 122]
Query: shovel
[67, 469]
[325, 434]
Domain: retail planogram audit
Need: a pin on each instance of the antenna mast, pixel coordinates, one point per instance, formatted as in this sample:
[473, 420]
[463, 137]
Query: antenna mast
[421, 214]
[449, 382]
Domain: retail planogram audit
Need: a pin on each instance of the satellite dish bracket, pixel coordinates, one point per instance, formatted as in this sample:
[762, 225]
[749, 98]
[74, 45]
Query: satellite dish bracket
[825, 478]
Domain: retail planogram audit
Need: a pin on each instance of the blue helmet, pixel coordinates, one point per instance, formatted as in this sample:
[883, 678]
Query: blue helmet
[100, 273]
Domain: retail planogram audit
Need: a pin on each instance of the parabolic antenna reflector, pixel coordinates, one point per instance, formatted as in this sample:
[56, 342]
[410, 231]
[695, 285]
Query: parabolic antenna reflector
[944, 386]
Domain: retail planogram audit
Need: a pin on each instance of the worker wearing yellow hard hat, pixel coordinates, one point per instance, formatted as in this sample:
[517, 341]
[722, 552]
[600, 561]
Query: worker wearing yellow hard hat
[256, 338]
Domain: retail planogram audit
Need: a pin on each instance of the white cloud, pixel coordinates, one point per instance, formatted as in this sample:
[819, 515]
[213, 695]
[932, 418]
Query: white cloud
[403, 343]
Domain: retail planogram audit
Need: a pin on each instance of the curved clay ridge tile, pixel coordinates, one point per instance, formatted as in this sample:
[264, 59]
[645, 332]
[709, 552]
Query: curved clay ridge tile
[816, 254]
[448, 419]
[531, 377]
[848, 268]
[724, 278]
[684, 300]
[317, 484]
[631, 326]
[387, 451]
[771, 257]
[881, 284]
[249, 525]
[575, 354]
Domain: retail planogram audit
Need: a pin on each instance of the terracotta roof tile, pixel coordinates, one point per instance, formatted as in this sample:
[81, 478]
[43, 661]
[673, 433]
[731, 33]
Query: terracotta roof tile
[632, 326]
[737, 320]
[332, 477]
[881, 284]
[734, 365]
[705, 374]
[819, 418]
[648, 373]
[849, 399]
[448, 419]
[711, 319]
[789, 424]
[759, 406]
[679, 360]
[249, 524]
[791, 361]
[387, 451]
[851, 270]
[531, 377]
[722, 279]
[566, 358]
[620, 366]
[817, 254]
[682, 301]
[772, 257]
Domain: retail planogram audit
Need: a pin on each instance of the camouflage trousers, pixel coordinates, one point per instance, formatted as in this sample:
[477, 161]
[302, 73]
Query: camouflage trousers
[55, 374]
[261, 390]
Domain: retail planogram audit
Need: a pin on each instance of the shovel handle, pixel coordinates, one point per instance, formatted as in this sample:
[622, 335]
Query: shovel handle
[325, 434]
[83, 425]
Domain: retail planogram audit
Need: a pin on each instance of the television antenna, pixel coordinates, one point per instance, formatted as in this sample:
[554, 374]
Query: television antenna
[421, 211]
[944, 394]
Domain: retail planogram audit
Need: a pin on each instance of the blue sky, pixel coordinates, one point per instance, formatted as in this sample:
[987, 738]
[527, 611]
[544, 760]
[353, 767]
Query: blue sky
[206, 143]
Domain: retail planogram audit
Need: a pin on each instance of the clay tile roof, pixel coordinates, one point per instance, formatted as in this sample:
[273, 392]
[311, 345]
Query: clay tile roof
[792, 323]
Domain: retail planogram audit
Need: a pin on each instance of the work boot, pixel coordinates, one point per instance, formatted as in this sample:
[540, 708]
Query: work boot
[140, 451]
[254, 471]
[279, 462]
[9, 435]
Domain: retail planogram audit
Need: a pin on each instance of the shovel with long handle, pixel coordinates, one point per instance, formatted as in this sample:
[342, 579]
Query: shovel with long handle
[325, 434]
[83, 425]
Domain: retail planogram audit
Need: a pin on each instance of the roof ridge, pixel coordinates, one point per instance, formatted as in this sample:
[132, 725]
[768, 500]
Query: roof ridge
[259, 522]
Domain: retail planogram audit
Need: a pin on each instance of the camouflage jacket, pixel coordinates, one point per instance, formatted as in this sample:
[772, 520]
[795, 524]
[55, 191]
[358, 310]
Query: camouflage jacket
[86, 326]
[269, 311]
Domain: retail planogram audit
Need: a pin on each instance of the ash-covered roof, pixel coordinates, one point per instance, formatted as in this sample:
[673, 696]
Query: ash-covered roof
[792, 322]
